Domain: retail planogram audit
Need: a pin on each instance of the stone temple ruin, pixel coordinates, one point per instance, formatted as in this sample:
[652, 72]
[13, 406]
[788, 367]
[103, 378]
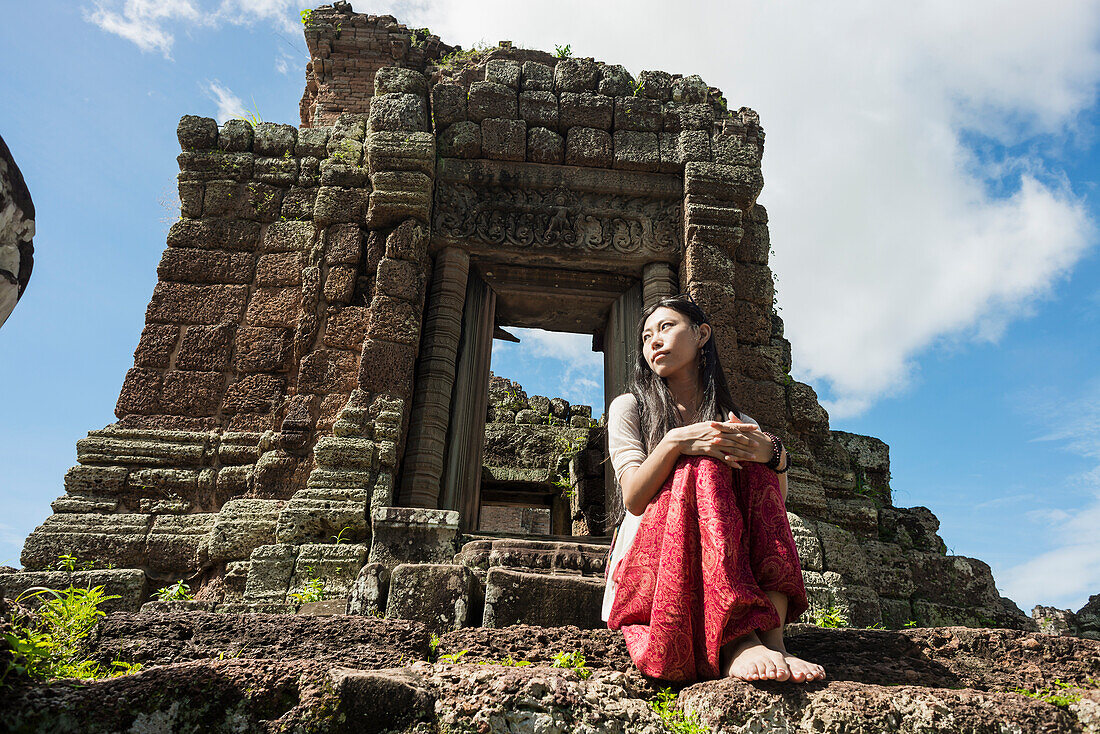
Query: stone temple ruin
[311, 401]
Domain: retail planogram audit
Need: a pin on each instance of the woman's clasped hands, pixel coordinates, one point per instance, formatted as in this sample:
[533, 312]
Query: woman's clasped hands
[730, 442]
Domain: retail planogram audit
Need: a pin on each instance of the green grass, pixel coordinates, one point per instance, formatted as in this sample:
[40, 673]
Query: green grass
[178, 591]
[573, 661]
[51, 645]
[1058, 695]
[830, 618]
[674, 720]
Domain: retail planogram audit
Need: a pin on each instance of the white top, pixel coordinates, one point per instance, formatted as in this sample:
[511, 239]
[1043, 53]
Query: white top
[626, 448]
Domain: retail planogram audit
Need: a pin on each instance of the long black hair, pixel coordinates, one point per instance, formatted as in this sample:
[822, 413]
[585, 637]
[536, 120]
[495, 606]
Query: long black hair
[657, 412]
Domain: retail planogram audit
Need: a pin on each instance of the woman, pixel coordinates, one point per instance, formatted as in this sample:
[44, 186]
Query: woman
[704, 572]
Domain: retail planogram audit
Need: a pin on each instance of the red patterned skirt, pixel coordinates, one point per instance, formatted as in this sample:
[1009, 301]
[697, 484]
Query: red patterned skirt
[710, 543]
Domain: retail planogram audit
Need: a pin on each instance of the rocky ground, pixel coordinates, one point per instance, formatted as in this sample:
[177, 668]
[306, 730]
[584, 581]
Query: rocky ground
[282, 673]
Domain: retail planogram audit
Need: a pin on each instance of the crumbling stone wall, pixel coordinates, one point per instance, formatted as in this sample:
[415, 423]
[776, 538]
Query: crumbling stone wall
[16, 233]
[300, 348]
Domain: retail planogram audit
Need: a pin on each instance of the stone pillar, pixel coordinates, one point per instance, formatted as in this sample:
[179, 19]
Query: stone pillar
[466, 442]
[423, 466]
[620, 353]
[657, 282]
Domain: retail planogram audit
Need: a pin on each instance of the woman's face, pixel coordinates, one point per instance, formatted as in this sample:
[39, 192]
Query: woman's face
[669, 344]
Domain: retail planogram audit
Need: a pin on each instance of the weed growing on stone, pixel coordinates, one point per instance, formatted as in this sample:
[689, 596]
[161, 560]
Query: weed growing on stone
[453, 657]
[52, 644]
[313, 590]
[339, 537]
[574, 661]
[876, 626]
[830, 618]
[674, 720]
[178, 591]
[1057, 695]
[508, 662]
[458, 57]
[564, 52]
[307, 17]
[433, 645]
[68, 562]
[910, 623]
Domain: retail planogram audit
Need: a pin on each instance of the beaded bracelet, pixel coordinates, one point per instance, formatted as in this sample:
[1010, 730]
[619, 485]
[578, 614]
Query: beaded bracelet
[777, 449]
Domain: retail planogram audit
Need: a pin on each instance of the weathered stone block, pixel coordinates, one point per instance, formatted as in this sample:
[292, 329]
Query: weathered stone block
[805, 540]
[636, 151]
[206, 266]
[638, 114]
[488, 99]
[409, 241]
[400, 279]
[503, 71]
[191, 393]
[102, 539]
[336, 173]
[340, 284]
[127, 583]
[356, 454]
[204, 234]
[441, 596]
[739, 184]
[277, 171]
[398, 112]
[205, 347]
[242, 526]
[843, 554]
[952, 580]
[95, 479]
[576, 75]
[504, 140]
[412, 535]
[327, 371]
[913, 527]
[336, 204]
[343, 244]
[615, 80]
[398, 195]
[680, 148]
[537, 77]
[369, 592]
[183, 303]
[347, 328]
[539, 109]
[214, 166]
[448, 105]
[896, 613]
[272, 139]
[401, 151]
[857, 514]
[336, 565]
[254, 394]
[313, 141]
[399, 80]
[394, 320]
[197, 133]
[737, 150]
[545, 600]
[279, 268]
[155, 346]
[387, 366]
[461, 140]
[274, 307]
[235, 136]
[656, 85]
[269, 570]
[684, 117]
[177, 543]
[586, 146]
[586, 109]
[858, 604]
[891, 564]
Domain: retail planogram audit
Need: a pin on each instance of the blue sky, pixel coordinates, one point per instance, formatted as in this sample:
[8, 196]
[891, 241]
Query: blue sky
[931, 174]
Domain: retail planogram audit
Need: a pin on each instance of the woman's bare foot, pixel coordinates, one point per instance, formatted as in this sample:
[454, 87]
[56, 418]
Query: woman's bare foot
[751, 660]
[802, 671]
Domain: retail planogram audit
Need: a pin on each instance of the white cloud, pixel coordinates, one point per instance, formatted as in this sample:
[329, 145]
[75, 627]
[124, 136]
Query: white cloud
[580, 369]
[151, 24]
[229, 104]
[891, 234]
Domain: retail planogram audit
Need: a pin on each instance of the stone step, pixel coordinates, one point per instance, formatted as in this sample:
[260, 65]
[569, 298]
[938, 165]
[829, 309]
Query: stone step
[536, 556]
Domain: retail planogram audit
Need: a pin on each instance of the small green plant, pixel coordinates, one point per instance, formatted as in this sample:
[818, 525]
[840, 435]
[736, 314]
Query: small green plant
[876, 626]
[66, 562]
[574, 661]
[52, 646]
[676, 721]
[508, 662]
[563, 52]
[831, 618]
[1057, 695]
[178, 591]
[307, 16]
[339, 537]
[453, 657]
[433, 645]
[251, 115]
[910, 623]
[312, 590]
[636, 87]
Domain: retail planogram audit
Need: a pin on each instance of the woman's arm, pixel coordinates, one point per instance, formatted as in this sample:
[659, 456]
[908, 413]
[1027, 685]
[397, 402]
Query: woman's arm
[640, 483]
